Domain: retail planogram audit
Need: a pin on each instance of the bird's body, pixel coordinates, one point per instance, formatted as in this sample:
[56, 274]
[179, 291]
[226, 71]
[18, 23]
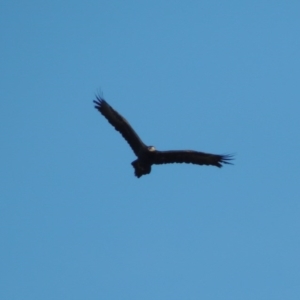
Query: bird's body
[148, 155]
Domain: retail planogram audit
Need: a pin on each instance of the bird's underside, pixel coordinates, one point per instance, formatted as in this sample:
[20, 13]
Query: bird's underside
[148, 155]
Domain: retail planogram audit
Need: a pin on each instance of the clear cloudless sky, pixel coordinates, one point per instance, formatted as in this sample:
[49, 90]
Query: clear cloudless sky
[214, 76]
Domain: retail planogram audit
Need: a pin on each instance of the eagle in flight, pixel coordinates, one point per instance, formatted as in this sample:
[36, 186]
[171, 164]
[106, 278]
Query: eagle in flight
[148, 155]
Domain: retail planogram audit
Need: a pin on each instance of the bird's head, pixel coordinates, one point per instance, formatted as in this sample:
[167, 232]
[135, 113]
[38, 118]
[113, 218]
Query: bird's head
[151, 148]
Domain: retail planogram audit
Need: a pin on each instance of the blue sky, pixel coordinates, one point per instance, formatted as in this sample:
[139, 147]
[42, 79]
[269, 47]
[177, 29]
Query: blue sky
[213, 76]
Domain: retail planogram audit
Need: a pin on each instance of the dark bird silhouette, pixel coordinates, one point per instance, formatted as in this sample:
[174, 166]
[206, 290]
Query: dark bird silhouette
[148, 155]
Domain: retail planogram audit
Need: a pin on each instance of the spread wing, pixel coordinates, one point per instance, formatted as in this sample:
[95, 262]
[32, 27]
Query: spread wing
[191, 157]
[120, 124]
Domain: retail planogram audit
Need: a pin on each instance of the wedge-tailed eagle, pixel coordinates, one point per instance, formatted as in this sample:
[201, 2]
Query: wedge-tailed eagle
[148, 155]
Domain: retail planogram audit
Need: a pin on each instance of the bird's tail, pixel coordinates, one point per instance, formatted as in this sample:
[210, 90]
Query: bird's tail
[140, 168]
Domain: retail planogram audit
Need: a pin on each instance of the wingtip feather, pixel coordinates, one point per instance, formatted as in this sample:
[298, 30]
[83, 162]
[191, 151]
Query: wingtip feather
[99, 102]
[227, 159]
